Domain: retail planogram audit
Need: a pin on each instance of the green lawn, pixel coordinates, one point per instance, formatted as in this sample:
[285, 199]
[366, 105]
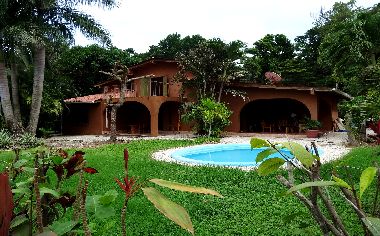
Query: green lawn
[251, 205]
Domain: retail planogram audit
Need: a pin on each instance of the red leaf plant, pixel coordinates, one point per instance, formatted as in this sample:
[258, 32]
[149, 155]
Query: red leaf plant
[73, 165]
[6, 204]
[129, 186]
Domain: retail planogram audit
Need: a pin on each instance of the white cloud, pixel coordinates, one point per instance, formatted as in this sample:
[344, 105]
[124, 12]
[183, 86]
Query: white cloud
[138, 24]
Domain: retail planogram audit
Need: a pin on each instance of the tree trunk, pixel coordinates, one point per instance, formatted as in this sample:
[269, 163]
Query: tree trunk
[15, 94]
[115, 107]
[220, 91]
[5, 97]
[38, 83]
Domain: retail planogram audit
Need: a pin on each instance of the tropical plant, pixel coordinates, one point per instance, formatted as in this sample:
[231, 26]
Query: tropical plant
[36, 196]
[350, 45]
[310, 124]
[21, 28]
[210, 117]
[36, 199]
[308, 185]
[359, 111]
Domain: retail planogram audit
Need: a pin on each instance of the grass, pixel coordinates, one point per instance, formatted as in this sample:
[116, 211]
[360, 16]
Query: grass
[251, 204]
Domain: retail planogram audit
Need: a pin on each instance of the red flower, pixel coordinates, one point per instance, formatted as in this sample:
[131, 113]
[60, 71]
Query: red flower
[129, 186]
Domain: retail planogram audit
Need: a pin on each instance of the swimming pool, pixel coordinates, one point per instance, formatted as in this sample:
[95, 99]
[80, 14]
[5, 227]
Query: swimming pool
[221, 154]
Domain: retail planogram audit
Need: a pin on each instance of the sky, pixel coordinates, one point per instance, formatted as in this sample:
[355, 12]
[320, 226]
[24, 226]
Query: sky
[139, 24]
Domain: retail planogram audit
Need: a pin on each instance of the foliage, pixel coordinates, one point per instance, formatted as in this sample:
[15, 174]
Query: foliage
[24, 140]
[5, 139]
[350, 45]
[25, 35]
[211, 64]
[308, 177]
[311, 124]
[80, 67]
[44, 212]
[231, 215]
[173, 45]
[168, 208]
[269, 54]
[361, 109]
[38, 196]
[210, 117]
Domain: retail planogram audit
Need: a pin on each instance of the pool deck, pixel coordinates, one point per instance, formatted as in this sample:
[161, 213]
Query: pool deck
[333, 144]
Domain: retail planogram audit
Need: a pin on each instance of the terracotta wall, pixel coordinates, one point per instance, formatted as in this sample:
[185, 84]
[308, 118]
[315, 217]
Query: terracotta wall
[165, 69]
[81, 118]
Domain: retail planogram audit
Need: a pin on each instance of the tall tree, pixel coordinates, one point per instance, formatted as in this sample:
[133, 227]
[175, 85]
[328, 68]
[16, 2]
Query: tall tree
[350, 45]
[38, 24]
[212, 64]
[270, 53]
[79, 66]
[172, 45]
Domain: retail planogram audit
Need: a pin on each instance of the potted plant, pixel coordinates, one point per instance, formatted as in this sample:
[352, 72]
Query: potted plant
[312, 128]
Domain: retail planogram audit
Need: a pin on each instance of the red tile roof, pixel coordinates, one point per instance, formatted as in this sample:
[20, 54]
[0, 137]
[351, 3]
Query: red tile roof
[98, 97]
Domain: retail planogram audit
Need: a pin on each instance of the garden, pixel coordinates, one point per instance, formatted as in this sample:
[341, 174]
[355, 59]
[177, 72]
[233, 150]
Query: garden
[251, 204]
[118, 188]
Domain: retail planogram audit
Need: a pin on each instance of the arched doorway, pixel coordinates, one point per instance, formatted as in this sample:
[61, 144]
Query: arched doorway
[272, 115]
[168, 116]
[133, 118]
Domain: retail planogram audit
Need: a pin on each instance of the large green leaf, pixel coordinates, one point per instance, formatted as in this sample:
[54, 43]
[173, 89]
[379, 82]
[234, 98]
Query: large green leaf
[108, 198]
[62, 228]
[21, 229]
[269, 166]
[183, 187]
[341, 182]
[20, 163]
[264, 154]
[44, 190]
[21, 190]
[300, 153]
[93, 206]
[366, 178]
[311, 184]
[46, 232]
[259, 143]
[18, 220]
[373, 225]
[170, 209]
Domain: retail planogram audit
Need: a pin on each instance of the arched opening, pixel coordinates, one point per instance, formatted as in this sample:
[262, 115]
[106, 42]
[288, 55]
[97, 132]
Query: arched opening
[324, 114]
[133, 118]
[168, 116]
[280, 115]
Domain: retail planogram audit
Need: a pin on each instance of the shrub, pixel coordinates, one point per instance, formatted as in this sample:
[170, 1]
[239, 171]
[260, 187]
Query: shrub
[27, 140]
[5, 139]
[312, 124]
[24, 140]
[210, 117]
[359, 110]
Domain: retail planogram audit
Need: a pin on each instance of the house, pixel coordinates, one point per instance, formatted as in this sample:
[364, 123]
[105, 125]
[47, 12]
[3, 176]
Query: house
[153, 100]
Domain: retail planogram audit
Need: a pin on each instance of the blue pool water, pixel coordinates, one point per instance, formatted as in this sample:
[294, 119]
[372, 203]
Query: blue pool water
[222, 154]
